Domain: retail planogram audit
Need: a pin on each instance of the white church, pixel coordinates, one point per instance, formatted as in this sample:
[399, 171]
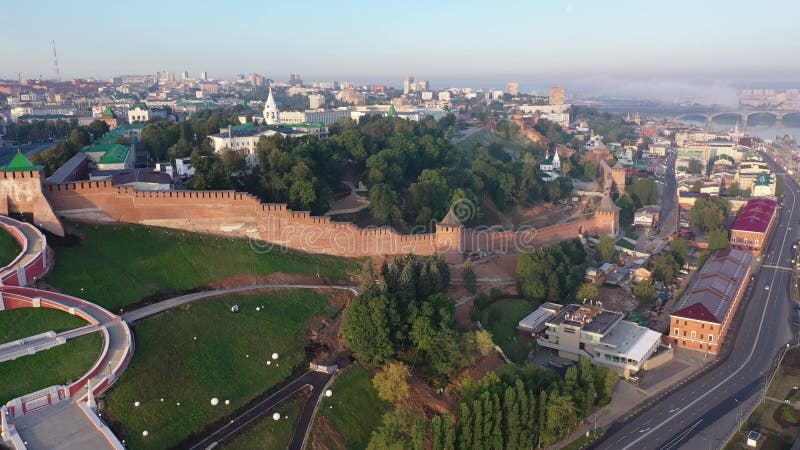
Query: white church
[550, 167]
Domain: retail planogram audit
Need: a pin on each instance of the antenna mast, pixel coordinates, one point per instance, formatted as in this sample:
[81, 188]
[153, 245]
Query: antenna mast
[55, 63]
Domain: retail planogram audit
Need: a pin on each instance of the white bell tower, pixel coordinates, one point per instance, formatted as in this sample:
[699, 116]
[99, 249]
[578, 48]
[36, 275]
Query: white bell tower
[271, 113]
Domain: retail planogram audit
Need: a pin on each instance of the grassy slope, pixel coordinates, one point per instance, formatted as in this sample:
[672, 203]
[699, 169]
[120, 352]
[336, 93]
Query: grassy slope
[9, 248]
[50, 367]
[268, 434]
[501, 319]
[24, 322]
[357, 410]
[116, 265]
[170, 364]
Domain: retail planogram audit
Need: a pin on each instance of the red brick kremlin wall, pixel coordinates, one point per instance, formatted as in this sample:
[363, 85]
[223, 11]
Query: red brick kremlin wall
[240, 214]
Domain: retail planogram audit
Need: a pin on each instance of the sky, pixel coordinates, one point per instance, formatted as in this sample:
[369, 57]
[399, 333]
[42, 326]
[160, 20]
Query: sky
[617, 47]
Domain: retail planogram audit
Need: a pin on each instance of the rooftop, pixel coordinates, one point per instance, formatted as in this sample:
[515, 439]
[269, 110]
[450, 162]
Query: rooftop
[755, 216]
[711, 295]
[19, 163]
[630, 340]
[590, 318]
[535, 321]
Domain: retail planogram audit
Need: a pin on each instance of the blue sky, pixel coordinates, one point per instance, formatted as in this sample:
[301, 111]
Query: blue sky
[539, 43]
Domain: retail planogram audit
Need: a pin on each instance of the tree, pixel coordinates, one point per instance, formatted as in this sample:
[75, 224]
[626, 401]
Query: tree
[709, 213]
[383, 203]
[470, 280]
[391, 382]
[665, 268]
[627, 206]
[484, 342]
[734, 190]
[695, 167]
[586, 291]
[368, 322]
[717, 239]
[645, 292]
[679, 249]
[605, 249]
[644, 191]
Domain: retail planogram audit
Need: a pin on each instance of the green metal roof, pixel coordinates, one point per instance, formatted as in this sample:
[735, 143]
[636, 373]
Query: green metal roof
[308, 125]
[108, 112]
[138, 105]
[112, 153]
[244, 126]
[19, 163]
[392, 111]
[117, 155]
[764, 179]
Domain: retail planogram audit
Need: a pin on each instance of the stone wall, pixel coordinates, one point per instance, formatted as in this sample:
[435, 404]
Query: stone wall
[21, 193]
[238, 214]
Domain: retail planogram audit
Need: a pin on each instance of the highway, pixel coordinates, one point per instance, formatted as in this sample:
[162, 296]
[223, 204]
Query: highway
[703, 412]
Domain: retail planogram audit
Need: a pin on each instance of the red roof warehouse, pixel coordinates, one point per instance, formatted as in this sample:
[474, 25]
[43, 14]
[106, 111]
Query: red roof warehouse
[751, 229]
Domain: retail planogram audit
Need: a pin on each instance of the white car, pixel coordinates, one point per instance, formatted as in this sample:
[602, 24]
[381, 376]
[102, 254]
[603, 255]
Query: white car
[766, 288]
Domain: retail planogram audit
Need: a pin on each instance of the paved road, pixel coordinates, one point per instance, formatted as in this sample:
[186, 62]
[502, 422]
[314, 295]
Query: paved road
[703, 412]
[158, 307]
[316, 381]
[6, 153]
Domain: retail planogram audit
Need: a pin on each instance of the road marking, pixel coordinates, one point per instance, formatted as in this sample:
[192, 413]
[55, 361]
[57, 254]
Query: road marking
[677, 439]
[770, 266]
[752, 349]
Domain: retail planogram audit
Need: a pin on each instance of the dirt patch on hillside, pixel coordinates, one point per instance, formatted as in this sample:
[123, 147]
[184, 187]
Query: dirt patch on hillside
[324, 331]
[326, 437]
[483, 366]
[277, 277]
[462, 316]
[423, 400]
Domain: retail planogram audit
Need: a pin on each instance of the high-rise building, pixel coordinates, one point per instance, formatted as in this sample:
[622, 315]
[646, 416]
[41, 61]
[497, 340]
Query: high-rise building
[204, 76]
[185, 75]
[512, 88]
[556, 95]
[256, 79]
[423, 85]
[295, 80]
[407, 85]
[316, 101]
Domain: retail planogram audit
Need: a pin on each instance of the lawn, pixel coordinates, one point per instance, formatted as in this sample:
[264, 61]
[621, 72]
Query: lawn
[116, 265]
[55, 366]
[227, 360]
[766, 418]
[354, 410]
[269, 434]
[9, 248]
[23, 322]
[501, 319]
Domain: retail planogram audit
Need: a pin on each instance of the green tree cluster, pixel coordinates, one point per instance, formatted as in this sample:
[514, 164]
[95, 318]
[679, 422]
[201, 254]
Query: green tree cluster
[528, 407]
[709, 213]
[551, 273]
[78, 137]
[403, 311]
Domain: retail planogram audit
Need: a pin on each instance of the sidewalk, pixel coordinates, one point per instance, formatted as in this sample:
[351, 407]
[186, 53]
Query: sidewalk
[628, 397]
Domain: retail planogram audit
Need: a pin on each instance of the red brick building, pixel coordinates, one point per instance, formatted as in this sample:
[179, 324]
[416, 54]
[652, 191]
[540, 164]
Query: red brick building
[701, 319]
[754, 225]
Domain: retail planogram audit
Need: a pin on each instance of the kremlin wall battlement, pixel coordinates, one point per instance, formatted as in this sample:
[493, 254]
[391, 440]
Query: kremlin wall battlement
[272, 225]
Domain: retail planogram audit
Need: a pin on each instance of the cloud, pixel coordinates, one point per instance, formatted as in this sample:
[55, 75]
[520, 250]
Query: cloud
[570, 9]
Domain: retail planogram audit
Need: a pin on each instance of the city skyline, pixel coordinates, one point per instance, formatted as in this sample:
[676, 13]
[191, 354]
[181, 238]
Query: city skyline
[537, 44]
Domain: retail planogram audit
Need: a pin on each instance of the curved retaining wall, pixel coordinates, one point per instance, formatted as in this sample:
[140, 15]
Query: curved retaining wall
[33, 262]
[116, 338]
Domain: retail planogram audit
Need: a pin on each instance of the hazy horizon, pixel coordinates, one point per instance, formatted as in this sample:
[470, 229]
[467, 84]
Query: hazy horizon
[678, 50]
